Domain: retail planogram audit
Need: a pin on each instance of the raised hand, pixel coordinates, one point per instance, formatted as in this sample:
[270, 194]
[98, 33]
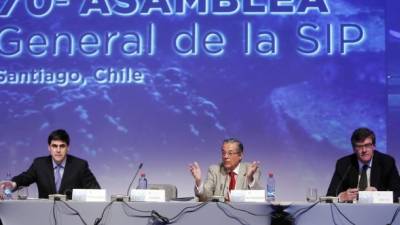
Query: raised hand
[196, 172]
[251, 170]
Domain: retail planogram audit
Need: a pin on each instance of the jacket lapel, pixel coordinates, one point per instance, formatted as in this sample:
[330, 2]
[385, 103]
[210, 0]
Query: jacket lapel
[65, 174]
[353, 175]
[375, 171]
[50, 171]
[241, 178]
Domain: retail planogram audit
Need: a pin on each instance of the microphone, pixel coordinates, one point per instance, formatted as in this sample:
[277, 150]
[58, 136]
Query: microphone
[342, 180]
[331, 199]
[134, 177]
[223, 189]
[220, 198]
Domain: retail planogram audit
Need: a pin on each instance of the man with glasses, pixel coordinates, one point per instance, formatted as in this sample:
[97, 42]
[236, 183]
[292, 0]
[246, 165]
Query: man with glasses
[57, 173]
[365, 170]
[230, 174]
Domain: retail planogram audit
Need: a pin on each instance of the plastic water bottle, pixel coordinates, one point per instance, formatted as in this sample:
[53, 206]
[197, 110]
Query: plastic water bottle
[270, 192]
[8, 187]
[142, 182]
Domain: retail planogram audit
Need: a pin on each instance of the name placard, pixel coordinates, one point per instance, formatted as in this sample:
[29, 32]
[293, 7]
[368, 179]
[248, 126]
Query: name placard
[146, 195]
[375, 197]
[89, 195]
[247, 196]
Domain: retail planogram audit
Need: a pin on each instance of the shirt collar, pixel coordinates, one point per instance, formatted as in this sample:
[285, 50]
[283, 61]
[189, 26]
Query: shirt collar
[361, 164]
[62, 163]
[236, 170]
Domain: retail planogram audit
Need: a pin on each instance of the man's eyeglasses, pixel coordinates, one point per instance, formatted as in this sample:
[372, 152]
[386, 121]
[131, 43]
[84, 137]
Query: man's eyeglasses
[367, 146]
[229, 153]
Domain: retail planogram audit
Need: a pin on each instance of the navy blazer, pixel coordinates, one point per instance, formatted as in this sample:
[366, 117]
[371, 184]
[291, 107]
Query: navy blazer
[76, 175]
[384, 175]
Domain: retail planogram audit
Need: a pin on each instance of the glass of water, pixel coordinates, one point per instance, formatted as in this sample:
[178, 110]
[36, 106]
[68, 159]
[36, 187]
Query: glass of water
[312, 194]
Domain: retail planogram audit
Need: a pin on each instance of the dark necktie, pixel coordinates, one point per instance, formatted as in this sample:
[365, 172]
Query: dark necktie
[362, 185]
[232, 182]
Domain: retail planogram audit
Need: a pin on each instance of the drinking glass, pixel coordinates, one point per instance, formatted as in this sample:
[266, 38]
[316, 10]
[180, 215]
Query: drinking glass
[312, 194]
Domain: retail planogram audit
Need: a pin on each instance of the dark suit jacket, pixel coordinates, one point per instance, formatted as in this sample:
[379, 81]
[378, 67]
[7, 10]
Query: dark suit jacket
[384, 175]
[76, 175]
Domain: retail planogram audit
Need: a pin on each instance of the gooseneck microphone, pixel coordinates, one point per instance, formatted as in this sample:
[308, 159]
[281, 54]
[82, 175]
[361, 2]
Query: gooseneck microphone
[134, 177]
[221, 197]
[342, 180]
[223, 189]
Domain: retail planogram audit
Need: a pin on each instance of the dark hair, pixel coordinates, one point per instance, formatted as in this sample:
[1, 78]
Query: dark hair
[234, 140]
[58, 135]
[360, 134]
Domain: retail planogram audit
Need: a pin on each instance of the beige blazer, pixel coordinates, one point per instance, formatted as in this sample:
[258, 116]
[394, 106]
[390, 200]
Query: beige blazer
[217, 182]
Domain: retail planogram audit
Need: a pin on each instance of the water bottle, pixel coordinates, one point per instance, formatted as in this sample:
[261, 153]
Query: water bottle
[142, 182]
[270, 193]
[8, 187]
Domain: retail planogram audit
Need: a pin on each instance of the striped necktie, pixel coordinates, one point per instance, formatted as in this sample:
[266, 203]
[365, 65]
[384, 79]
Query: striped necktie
[58, 177]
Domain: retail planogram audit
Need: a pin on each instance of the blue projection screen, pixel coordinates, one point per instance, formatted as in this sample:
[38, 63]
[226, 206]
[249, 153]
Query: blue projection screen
[164, 82]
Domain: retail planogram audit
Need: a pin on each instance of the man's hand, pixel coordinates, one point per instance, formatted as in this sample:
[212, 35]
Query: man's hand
[251, 170]
[371, 189]
[196, 173]
[348, 195]
[3, 185]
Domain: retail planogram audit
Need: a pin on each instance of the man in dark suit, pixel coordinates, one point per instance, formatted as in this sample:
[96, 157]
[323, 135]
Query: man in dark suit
[365, 169]
[59, 172]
